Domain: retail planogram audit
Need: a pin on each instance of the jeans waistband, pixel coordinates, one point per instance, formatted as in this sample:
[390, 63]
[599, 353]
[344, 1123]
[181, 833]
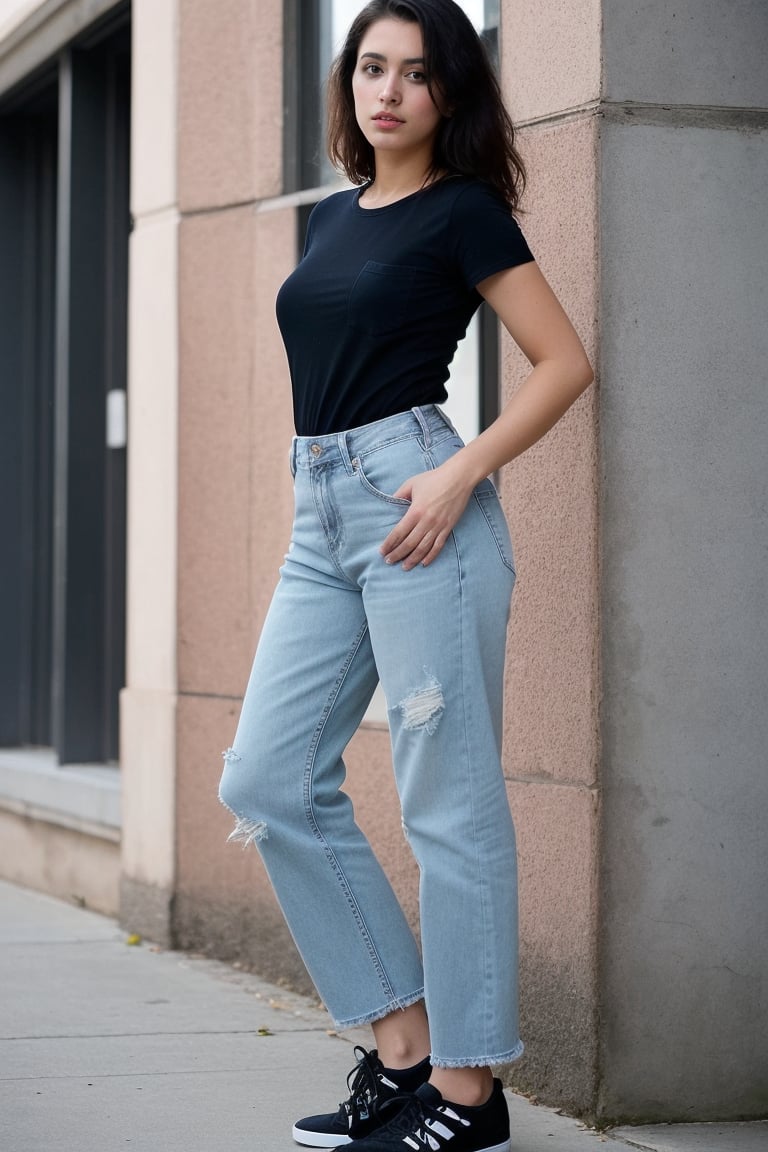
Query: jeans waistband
[427, 422]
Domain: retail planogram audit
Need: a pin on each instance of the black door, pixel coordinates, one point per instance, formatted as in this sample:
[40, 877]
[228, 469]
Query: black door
[64, 225]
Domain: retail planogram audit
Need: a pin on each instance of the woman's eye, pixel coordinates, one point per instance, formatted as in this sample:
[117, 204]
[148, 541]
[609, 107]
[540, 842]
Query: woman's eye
[372, 69]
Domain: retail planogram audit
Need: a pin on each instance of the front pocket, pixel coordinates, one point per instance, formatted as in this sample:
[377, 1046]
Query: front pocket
[488, 502]
[374, 491]
[380, 296]
[382, 470]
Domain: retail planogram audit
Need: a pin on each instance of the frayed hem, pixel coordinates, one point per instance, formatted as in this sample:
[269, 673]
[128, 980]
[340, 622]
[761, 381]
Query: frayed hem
[479, 1061]
[398, 1005]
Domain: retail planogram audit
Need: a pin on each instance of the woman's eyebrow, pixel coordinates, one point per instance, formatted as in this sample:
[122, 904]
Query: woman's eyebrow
[378, 56]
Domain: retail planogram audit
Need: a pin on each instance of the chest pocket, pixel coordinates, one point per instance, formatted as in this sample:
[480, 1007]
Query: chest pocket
[380, 298]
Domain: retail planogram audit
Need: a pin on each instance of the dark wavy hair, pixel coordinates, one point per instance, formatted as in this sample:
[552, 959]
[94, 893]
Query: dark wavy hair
[476, 139]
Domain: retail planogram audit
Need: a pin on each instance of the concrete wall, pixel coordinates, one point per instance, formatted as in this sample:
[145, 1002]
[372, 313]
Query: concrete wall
[684, 417]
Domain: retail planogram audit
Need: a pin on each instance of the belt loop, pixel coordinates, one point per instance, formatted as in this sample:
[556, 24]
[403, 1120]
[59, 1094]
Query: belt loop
[445, 419]
[344, 451]
[419, 414]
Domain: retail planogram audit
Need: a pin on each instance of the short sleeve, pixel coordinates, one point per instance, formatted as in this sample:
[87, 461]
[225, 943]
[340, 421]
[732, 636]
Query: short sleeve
[310, 233]
[485, 236]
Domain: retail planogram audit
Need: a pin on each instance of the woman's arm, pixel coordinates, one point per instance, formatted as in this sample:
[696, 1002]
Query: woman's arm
[531, 313]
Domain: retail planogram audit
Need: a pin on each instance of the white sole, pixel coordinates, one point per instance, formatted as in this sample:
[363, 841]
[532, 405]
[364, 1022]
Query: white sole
[319, 1140]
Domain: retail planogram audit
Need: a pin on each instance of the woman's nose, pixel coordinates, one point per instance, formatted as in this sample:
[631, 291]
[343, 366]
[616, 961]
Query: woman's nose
[389, 93]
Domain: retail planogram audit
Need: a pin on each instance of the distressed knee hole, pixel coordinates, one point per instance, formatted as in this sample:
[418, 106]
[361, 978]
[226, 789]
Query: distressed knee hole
[421, 711]
[246, 830]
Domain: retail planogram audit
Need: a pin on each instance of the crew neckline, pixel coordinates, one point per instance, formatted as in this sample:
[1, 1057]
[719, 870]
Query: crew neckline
[402, 200]
[385, 207]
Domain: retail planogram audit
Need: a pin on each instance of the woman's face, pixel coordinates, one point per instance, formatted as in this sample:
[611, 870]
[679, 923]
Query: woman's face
[393, 105]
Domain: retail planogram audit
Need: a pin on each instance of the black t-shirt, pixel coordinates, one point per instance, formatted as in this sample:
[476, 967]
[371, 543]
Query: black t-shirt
[372, 314]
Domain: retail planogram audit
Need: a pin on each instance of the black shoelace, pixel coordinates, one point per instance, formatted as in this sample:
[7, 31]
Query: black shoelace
[363, 1085]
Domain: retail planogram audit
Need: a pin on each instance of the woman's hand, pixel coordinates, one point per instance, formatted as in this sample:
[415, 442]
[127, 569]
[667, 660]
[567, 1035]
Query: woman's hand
[438, 499]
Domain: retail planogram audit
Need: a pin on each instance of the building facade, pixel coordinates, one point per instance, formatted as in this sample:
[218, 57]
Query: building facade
[157, 164]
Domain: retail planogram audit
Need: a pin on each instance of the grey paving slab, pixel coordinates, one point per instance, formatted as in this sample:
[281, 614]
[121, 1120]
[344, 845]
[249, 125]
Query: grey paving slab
[538, 1129]
[186, 1052]
[170, 1092]
[224, 1110]
[752, 1137]
[108, 1046]
[30, 917]
[105, 986]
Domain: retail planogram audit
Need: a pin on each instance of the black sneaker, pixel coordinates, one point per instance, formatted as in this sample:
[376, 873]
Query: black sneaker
[427, 1123]
[370, 1086]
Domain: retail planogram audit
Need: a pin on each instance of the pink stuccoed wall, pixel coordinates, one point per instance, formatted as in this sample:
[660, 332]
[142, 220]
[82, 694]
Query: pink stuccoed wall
[551, 718]
[236, 246]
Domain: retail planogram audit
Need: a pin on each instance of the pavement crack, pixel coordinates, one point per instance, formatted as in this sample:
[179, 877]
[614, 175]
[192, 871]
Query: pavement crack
[273, 1032]
[143, 1075]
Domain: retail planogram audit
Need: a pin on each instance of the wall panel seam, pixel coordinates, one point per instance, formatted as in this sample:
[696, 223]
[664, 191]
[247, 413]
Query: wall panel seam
[685, 115]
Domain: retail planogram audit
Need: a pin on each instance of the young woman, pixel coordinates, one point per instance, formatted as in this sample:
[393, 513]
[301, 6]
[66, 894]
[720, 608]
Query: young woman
[400, 569]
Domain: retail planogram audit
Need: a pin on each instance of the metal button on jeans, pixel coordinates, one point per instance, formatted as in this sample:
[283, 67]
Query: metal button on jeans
[315, 449]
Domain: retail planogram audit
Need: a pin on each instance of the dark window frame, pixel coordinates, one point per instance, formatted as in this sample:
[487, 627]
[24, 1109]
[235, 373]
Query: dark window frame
[66, 286]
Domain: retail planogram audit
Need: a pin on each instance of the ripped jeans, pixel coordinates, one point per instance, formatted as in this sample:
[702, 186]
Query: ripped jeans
[341, 619]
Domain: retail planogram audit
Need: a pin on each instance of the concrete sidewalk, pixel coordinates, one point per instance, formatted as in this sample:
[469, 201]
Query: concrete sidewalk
[107, 1046]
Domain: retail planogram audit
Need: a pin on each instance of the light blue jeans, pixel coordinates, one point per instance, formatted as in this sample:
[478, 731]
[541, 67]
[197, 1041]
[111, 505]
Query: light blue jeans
[341, 619]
